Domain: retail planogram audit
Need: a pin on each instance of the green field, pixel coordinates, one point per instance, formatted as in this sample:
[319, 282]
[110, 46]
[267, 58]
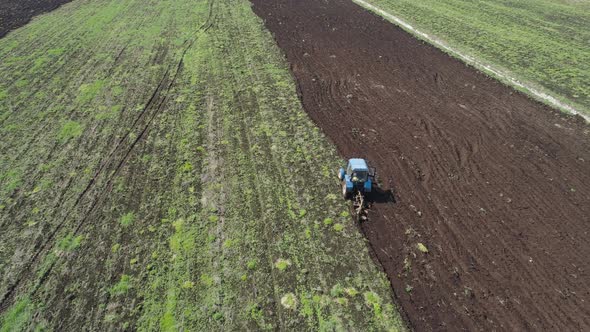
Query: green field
[151, 161]
[544, 42]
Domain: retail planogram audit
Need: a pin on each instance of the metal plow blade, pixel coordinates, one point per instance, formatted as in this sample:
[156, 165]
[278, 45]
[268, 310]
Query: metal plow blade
[359, 208]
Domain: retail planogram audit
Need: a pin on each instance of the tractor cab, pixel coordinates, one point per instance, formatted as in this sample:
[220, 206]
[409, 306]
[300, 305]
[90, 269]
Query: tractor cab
[357, 170]
[356, 178]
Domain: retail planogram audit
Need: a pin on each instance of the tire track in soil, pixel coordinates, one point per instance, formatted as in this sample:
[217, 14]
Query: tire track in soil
[7, 298]
[497, 186]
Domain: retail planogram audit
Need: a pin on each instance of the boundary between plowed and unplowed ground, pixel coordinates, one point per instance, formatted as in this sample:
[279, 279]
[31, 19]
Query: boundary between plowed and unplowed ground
[503, 75]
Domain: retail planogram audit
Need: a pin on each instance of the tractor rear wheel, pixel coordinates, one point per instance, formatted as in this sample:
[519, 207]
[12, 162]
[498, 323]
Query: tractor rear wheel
[345, 193]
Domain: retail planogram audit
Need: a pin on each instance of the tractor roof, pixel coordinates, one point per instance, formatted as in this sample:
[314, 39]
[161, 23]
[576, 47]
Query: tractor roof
[358, 164]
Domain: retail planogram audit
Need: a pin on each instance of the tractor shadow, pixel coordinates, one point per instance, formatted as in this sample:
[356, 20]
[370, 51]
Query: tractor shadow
[380, 195]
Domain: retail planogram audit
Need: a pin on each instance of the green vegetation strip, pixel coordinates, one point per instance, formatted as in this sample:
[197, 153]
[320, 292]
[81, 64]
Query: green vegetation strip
[158, 173]
[543, 42]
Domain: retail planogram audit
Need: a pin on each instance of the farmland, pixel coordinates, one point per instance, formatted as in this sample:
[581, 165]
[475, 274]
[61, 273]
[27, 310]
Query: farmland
[170, 165]
[544, 42]
[158, 172]
[488, 228]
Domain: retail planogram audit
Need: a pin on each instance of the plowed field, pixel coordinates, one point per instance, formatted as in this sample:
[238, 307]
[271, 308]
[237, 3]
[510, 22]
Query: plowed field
[16, 13]
[494, 185]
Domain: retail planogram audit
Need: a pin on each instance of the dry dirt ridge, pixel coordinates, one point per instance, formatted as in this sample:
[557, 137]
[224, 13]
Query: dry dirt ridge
[16, 13]
[495, 185]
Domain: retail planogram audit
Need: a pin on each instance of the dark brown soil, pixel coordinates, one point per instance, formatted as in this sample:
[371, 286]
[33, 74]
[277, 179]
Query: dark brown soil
[495, 185]
[16, 13]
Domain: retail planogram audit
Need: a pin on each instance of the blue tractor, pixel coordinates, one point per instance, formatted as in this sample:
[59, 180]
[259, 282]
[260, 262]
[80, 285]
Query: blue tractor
[357, 179]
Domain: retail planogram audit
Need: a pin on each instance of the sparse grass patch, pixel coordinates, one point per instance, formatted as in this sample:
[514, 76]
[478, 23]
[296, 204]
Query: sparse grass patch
[122, 287]
[168, 323]
[341, 300]
[69, 130]
[206, 280]
[337, 290]
[228, 243]
[251, 265]
[289, 301]
[186, 167]
[87, 92]
[56, 52]
[218, 316]
[407, 264]
[282, 264]
[21, 83]
[70, 242]
[127, 219]
[11, 180]
[17, 317]
[373, 301]
[188, 284]
[351, 291]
